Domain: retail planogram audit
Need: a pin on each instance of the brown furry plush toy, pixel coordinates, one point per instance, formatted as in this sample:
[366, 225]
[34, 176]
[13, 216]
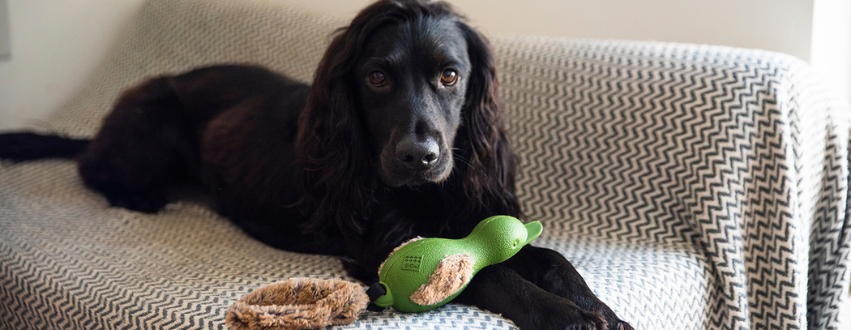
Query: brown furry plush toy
[298, 303]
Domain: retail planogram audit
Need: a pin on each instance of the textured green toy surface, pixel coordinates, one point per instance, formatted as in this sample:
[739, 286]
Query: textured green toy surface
[492, 241]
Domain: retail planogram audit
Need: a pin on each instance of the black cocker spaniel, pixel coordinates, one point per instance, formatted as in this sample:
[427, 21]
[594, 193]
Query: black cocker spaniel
[399, 136]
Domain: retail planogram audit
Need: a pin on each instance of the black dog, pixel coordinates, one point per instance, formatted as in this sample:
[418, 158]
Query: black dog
[399, 136]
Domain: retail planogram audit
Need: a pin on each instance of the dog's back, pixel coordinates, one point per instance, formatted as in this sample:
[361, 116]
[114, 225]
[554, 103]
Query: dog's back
[172, 129]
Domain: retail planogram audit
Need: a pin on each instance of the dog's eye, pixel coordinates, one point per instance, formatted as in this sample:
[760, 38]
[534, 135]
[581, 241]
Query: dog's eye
[449, 77]
[377, 79]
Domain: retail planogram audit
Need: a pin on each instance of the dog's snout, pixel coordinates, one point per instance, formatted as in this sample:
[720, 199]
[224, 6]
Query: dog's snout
[417, 154]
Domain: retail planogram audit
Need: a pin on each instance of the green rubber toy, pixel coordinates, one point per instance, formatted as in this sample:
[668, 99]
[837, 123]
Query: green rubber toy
[426, 273]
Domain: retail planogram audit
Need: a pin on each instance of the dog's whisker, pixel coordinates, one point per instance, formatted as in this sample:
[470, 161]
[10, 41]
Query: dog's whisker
[460, 159]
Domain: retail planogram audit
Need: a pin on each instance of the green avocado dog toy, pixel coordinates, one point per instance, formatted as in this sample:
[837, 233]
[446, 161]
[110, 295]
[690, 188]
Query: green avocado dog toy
[420, 275]
[426, 273]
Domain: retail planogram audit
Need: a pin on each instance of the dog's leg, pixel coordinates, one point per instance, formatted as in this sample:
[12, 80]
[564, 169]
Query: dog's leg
[142, 148]
[552, 272]
[501, 290]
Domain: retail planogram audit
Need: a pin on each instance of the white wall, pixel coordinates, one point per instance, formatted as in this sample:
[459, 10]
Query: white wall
[4, 30]
[831, 45]
[56, 43]
[777, 25]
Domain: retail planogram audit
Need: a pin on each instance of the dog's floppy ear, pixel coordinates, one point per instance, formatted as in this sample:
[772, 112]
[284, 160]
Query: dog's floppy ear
[489, 177]
[331, 143]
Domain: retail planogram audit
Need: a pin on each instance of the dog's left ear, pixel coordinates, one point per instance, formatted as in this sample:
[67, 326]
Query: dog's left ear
[491, 165]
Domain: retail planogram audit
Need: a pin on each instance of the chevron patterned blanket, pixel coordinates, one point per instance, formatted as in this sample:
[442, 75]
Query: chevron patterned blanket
[694, 187]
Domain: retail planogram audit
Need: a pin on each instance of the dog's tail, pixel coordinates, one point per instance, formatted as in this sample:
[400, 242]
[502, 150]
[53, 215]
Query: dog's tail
[25, 146]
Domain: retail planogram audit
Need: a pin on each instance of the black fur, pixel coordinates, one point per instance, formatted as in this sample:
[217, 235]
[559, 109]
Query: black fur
[30, 146]
[383, 147]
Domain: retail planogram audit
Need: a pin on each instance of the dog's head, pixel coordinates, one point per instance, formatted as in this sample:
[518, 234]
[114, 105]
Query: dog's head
[411, 80]
[406, 94]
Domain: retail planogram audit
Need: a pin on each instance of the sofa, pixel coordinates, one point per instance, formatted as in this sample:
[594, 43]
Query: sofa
[693, 186]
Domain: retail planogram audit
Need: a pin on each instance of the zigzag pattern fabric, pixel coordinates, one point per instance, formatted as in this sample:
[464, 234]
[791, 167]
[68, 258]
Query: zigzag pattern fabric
[736, 154]
[694, 187]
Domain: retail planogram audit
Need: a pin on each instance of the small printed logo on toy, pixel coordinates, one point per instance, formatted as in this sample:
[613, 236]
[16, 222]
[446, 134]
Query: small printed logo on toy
[412, 263]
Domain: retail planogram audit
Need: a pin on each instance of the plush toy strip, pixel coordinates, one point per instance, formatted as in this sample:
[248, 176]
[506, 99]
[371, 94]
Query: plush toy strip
[451, 275]
[298, 303]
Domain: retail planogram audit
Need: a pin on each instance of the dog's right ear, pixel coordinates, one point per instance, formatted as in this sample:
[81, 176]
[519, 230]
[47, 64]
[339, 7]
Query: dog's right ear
[331, 145]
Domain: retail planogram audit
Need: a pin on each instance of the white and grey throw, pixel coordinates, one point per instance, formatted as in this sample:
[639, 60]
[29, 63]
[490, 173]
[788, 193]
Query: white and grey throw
[694, 187]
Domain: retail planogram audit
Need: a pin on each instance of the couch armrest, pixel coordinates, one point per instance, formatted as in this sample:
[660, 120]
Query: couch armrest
[740, 153]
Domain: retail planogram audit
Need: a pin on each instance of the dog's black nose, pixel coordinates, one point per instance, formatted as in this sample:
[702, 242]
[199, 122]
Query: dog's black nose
[417, 154]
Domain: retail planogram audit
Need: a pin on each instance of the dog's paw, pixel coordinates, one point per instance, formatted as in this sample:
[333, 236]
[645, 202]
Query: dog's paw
[614, 322]
[570, 319]
[587, 321]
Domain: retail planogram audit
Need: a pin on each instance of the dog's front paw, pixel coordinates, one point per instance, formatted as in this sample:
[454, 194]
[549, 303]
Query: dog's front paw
[614, 322]
[566, 317]
[585, 321]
